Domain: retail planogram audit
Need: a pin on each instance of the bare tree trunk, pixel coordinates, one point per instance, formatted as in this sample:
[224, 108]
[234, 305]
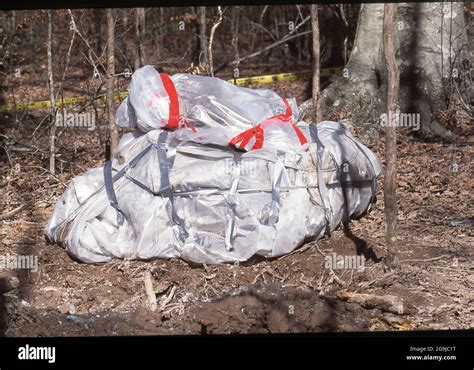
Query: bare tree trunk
[140, 24]
[360, 73]
[52, 133]
[113, 136]
[430, 43]
[124, 39]
[98, 17]
[211, 39]
[235, 30]
[159, 44]
[256, 33]
[204, 58]
[316, 63]
[366, 57]
[390, 183]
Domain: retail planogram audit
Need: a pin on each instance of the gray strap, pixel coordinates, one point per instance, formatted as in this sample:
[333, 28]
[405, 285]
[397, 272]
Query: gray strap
[271, 211]
[231, 201]
[141, 185]
[166, 191]
[278, 172]
[118, 175]
[109, 181]
[321, 183]
[109, 188]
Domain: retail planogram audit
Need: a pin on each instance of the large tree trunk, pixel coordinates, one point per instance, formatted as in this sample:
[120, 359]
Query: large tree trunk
[112, 128]
[431, 44]
[361, 75]
[428, 37]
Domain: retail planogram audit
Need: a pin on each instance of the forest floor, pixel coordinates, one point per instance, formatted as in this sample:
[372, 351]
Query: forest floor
[433, 280]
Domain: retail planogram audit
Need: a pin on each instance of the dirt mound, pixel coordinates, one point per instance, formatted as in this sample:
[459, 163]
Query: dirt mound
[278, 309]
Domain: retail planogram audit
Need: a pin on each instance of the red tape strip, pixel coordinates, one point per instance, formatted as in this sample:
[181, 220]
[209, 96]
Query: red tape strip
[243, 138]
[173, 118]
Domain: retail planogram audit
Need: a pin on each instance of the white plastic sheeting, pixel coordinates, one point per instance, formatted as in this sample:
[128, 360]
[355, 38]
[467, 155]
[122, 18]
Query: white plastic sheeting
[188, 193]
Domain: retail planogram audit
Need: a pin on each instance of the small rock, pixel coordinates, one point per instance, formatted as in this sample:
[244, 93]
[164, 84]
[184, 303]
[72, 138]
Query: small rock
[67, 308]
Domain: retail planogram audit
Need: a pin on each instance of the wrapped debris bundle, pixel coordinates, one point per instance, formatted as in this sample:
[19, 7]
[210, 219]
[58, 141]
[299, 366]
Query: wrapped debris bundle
[214, 173]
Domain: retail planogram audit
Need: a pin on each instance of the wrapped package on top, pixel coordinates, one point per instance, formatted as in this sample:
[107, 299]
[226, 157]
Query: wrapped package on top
[215, 111]
[152, 102]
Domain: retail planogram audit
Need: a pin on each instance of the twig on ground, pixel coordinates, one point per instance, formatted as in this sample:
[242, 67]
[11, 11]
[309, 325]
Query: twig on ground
[366, 284]
[168, 299]
[425, 260]
[12, 212]
[150, 291]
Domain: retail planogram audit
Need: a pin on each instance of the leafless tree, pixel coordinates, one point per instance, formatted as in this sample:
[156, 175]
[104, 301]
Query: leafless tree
[426, 55]
[140, 27]
[203, 36]
[52, 133]
[316, 62]
[220, 15]
[390, 183]
[113, 136]
[235, 30]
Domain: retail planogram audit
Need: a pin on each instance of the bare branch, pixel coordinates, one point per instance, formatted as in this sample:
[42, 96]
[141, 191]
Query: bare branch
[211, 39]
[287, 37]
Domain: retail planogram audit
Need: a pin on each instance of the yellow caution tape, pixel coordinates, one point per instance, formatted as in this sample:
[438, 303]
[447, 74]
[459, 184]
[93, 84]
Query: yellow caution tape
[284, 77]
[45, 104]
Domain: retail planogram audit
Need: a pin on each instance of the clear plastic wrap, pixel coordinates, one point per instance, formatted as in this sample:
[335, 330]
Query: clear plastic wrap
[237, 177]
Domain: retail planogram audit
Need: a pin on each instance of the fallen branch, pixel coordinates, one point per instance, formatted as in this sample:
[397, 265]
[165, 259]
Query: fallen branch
[366, 284]
[12, 212]
[150, 293]
[168, 299]
[386, 303]
[425, 260]
[336, 278]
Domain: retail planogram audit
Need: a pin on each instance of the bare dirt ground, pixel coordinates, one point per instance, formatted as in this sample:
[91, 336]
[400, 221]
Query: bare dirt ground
[434, 278]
